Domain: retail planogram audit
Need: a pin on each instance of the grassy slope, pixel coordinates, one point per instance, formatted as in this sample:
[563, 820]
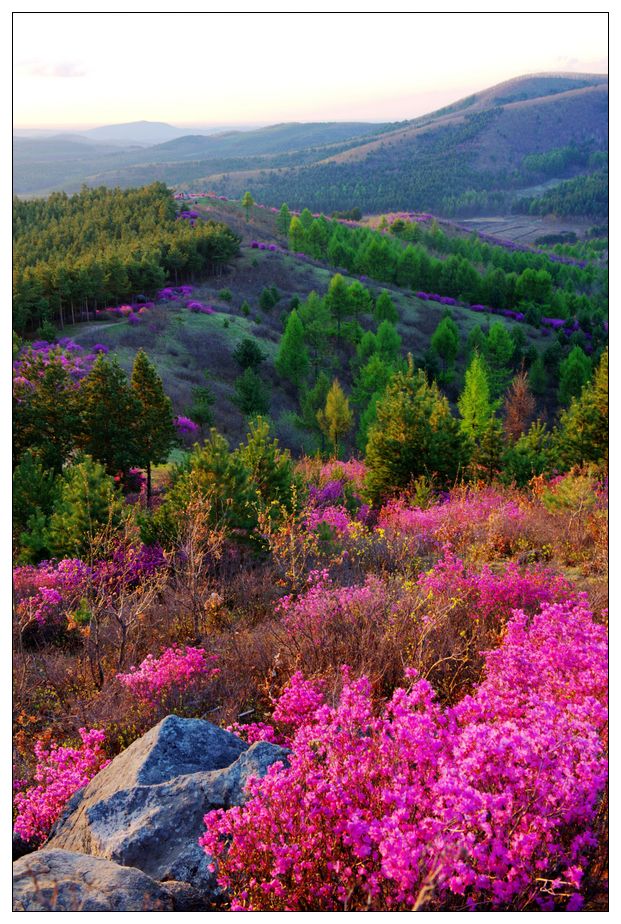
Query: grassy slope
[185, 346]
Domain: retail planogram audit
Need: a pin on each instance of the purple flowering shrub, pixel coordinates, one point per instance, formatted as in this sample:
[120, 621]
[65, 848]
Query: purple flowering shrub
[59, 773]
[486, 805]
[165, 683]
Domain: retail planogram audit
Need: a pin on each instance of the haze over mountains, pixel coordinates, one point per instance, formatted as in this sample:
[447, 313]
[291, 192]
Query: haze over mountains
[475, 146]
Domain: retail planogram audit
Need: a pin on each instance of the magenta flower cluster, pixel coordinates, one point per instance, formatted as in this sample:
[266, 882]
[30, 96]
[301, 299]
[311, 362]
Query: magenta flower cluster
[185, 426]
[173, 672]
[60, 772]
[486, 805]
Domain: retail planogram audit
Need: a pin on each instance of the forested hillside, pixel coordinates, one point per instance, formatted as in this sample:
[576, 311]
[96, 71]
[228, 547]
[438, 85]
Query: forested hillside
[320, 501]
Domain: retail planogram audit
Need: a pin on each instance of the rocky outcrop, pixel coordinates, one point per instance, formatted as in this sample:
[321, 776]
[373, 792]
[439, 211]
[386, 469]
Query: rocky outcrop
[146, 808]
[59, 880]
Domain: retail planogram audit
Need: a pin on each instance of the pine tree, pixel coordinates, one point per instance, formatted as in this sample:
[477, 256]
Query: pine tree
[385, 309]
[251, 393]
[270, 468]
[574, 373]
[445, 342]
[489, 454]
[582, 434]
[474, 402]
[338, 301]
[317, 324]
[297, 235]
[388, 343]
[248, 354]
[110, 414]
[499, 349]
[336, 419]
[88, 501]
[312, 400]
[247, 203]
[283, 220]
[519, 407]
[292, 359]
[46, 416]
[414, 434]
[155, 429]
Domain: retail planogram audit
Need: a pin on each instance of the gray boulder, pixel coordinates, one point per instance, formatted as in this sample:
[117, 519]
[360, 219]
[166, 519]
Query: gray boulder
[146, 809]
[58, 880]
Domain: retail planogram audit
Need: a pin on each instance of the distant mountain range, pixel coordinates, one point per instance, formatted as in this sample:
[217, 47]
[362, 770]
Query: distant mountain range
[479, 147]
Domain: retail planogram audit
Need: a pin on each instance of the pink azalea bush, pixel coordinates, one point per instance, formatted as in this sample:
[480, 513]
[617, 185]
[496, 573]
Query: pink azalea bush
[489, 804]
[171, 675]
[60, 772]
[465, 518]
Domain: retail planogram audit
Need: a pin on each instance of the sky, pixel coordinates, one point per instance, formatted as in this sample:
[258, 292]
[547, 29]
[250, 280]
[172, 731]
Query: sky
[74, 70]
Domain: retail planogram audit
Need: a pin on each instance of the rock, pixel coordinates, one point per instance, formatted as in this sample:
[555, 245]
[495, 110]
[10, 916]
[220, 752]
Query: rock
[59, 880]
[140, 812]
[186, 897]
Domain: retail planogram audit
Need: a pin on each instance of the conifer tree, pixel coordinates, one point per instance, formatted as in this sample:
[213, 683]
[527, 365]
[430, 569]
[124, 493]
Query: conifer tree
[414, 434]
[445, 342]
[283, 220]
[519, 407]
[88, 501]
[574, 373]
[110, 414]
[488, 456]
[474, 403]
[270, 468]
[338, 301]
[317, 324]
[46, 418]
[499, 349]
[292, 359]
[251, 394]
[155, 429]
[582, 434]
[385, 309]
[388, 343]
[247, 203]
[297, 235]
[336, 418]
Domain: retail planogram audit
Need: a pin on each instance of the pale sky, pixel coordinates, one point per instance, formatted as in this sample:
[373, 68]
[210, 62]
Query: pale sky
[86, 69]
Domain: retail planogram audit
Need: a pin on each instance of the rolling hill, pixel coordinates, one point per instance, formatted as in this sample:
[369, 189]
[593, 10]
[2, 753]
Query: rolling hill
[474, 157]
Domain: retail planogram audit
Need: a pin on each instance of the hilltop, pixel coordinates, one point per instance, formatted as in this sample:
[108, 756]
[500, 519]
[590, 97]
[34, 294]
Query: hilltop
[477, 156]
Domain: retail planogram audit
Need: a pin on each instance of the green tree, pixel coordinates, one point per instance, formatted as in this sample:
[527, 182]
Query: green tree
[201, 408]
[574, 373]
[385, 309]
[445, 342]
[537, 377]
[529, 456]
[336, 418]
[582, 433]
[270, 468]
[155, 429]
[388, 343]
[297, 235]
[359, 299]
[110, 412]
[46, 415]
[283, 220]
[338, 301]
[475, 406]
[499, 349]
[248, 354]
[312, 400]
[292, 359]
[251, 393]
[317, 323]
[88, 501]
[247, 203]
[488, 456]
[414, 434]
[221, 479]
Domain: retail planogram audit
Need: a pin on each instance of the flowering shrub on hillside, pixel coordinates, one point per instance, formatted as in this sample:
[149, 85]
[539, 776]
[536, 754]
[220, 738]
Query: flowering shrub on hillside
[60, 772]
[486, 805]
[169, 677]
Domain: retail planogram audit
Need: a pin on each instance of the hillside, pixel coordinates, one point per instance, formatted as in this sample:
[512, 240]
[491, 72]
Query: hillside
[469, 156]
[477, 156]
